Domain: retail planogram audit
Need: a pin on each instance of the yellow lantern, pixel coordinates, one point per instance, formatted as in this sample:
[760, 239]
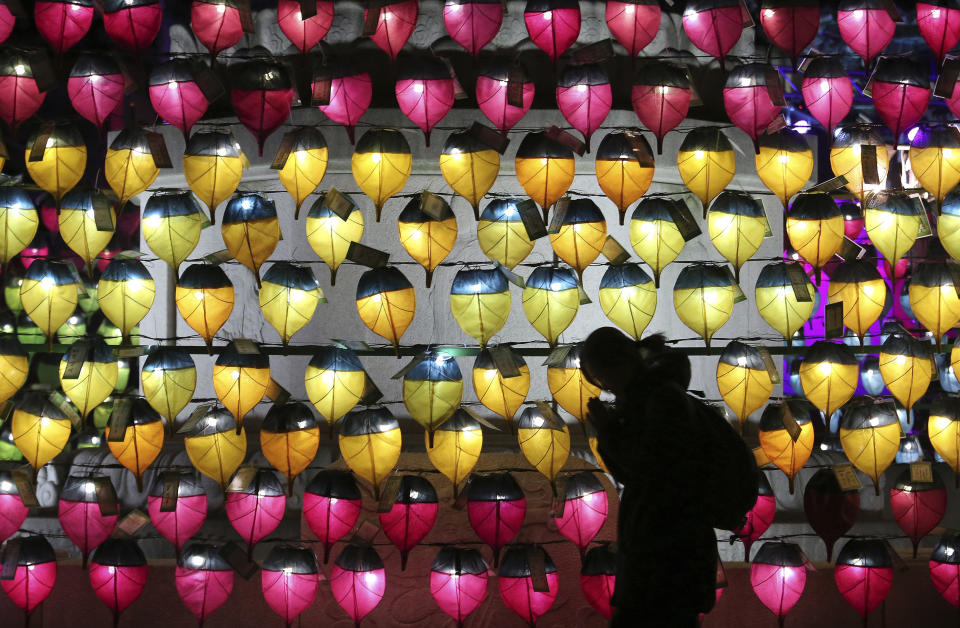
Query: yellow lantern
[943, 427]
[456, 448]
[96, 378]
[428, 240]
[628, 298]
[141, 441]
[933, 298]
[240, 380]
[125, 293]
[592, 443]
[61, 161]
[213, 164]
[289, 439]
[703, 298]
[335, 382]
[48, 292]
[14, 366]
[469, 167]
[777, 300]
[789, 454]
[251, 230]
[370, 444]
[305, 165]
[169, 379]
[501, 233]
[861, 289]
[502, 393]
[129, 167]
[40, 430]
[217, 446]
[743, 380]
[906, 366]
[815, 228]
[330, 236]
[18, 222]
[568, 387]
[480, 302]
[544, 443]
[381, 165]
[386, 302]
[551, 300]
[847, 162]
[171, 226]
[654, 234]
[289, 296]
[737, 224]
[545, 169]
[829, 375]
[948, 224]
[892, 222]
[870, 435]
[432, 390]
[79, 227]
[625, 168]
[706, 162]
[204, 298]
[581, 236]
[784, 162]
[935, 160]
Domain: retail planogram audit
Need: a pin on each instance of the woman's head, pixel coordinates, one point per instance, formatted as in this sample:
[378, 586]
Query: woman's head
[613, 361]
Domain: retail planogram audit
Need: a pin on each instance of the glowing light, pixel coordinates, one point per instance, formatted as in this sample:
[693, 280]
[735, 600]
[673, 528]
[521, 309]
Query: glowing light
[741, 360]
[825, 368]
[221, 8]
[698, 154]
[802, 127]
[235, 374]
[547, 16]
[171, 85]
[858, 14]
[947, 153]
[543, 161]
[370, 578]
[782, 158]
[47, 283]
[19, 69]
[418, 87]
[581, 88]
[153, 221]
[376, 157]
[769, 13]
[935, 14]
[376, 298]
[912, 133]
[556, 286]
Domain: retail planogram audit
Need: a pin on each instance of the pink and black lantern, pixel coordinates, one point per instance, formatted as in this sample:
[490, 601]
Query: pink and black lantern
[95, 87]
[945, 568]
[62, 23]
[216, 24]
[180, 513]
[132, 24]
[262, 95]
[864, 574]
[584, 510]
[584, 97]
[118, 573]
[424, 90]
[759, 518]
[204, 579]
[778, 575]
[790, 24]
[939, 24]
[289, 579]
[395, 23]
[865, 26]
[504, 92]
[358, 581]
[80, 514]
[256, 510]
[12, 511]
[412, 516]
[473, 23]
[331, 506]
[22, 97]
[7, 21]
[515, 579]
[350, 93]
[634, 23]
[901, 93]
[661, 98]
[827, 91]
[458, 581]
[176, 96]
[918, 507]
[598, 576]
[830, 510]
[553, 25]
[304, 33]
[496, 507]
[35, 576]
[753, 98]
[713, 26]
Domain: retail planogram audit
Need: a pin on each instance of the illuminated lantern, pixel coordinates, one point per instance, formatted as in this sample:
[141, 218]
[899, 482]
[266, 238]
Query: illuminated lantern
[748, 99]
[584, 97]
[736, 223]
[427, 239]
[784, 163]
[777, 301]
[827, 91]
[95, 87]
[496, 507]
[480, 302]
[866, 26]
[713, 26]
[598, 575]
[96, 380]
[396, 20]
[125, 293]
[48, 292]
[939, 24]
[358, 581]
[331, 506]
[351, 91]
[212, 165]
[171, 226]
[545, 169]
[307, 161]
[472, 23]
[515, 579]
[12, 510]
[468, 166]
[305, 33]
[901, 93]
[500, 393]
[654, 234]
[703, 298]
[255, 510]
[568, 386]
[933, 298]
[261, 94]
[188, 512]
[829, 375]
[381, 165]
[175, 94]
[584, 510]
[215, 447]
[370, 444]
[943, 429]
[863, 292]
[412, 515]
[62, 163]
[624, 168]
[289, 579]
[790, 26]
[7, 22]
[14, 366]
[330, 236]
[581, 235]
[216, 24]
[551, 300]
[240, 380]
[78, 511]
[335, 382]
[432, 390]
[706, 162]
[545, 445]
[742, 379]
[628, 298]
[78, 224]
[870, 435]
[40, 429]
[289, 439]
[945, 568]
[118, 573]
[830, 510]
[815, 228]
[424, 91]
[906, 365]
[62, 24]
[494, 92]
[456, 447]
[634, 23]
[289, 295]
[23, 97]
[132, 24]
[204, 579]
[918, 507]
[502, 235]
[251, 230]
[778, 576]
[19, 221]
[35, 574]
[553, 25]
[864, 574]
[935, 159]
[386, 302]
[789, 454]
[846, 159]
[458, 581]
[129, 167]
[141, 441]
[758, 518]
[660, 96]
[204, 298]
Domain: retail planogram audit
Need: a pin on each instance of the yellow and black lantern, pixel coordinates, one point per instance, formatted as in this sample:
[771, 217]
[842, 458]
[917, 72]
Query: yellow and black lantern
[829, 375]
[933, 298]
[216, 446]
[14, 366]
[501, 391]
[935, 160]
[125, 293]
[737, 224]
[815, 228]
[171, 226]
[480, 302]
[544, 443]
[456, 447]
[654, 234]
[551, 300]
[707, 163]
[330, 236]
[860, 156]
[19, 222]
[432, 390]
[251, 230]
[568, 385]
[57, 165]
[80, 227]
[289, 439]
[427, 238]
[469, 167]
[870, 436]
[743, 380]
[205, 299]
[778, 301]
[581, 236]
[169, 379]
[784, 446]
[892, 222]
[703, 298]
[858, 285]
[305, 166]
[386, 302]
[906, 366]
[213, 164]
[784, 162]
[335, 382]
[948, 224]
[95, 379]
[628, 298]
[48, 293]
[625, 168]
[943, 427]
[501, 233]
[289, 295]
[141, 441]
[545, 169]
[240, 380]
[129, 167]
[370, 442]
[40, 429]
[381, 165]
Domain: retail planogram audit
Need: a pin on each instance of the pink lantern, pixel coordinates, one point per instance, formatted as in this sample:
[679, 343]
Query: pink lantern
[584, 510]
[182, 518]
[598, 575]
[12, 511]
[256, 510]
[918, 507]
[351, 91]
[827, 91]
[118, 573]
[216, 23]
[39, 248]
[412, 516]
[458, 581]
[262, 96]
[22, 96]
[472, 23]
[661, 98]
[95, 88]
[516, 583]
[778, 575]
[7, 21]
[584, 97]
[331, 506]
[939, 24]
[176, 96]
[425, 91]
[790, 25]
[865, 26]
[753, 98]
[634, 23]
[289, 579]
[864, 574]
[395, 24]
[496, 508]
[35, 576]
[945, 568]
[713, 26]
[80, 515]
[204, 579]
[759, 518]
[901, 93]
[132, 24]
[494, 95]
[358, 581]
[553, 25]
[304, 33]
[63, 23]
[830, 511]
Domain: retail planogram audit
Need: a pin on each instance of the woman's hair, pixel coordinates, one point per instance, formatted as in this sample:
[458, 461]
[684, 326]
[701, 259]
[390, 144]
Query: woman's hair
[610, 355]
